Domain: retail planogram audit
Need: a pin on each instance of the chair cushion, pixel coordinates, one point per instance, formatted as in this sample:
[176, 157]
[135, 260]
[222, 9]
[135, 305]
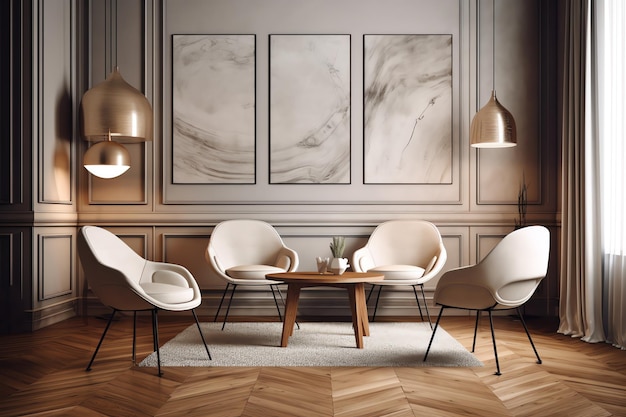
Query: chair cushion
[252, 271]
[167, 293]
[399, 271]
[169, 277]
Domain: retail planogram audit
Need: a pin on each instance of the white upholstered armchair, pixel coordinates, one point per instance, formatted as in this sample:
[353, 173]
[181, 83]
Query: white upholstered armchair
[505, 279]
[242, 252]
[407, 252]
[124, 281]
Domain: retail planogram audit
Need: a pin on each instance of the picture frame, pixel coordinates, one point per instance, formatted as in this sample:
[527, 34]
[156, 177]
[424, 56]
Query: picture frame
[309, 109]
[213, 109]
[407, 121]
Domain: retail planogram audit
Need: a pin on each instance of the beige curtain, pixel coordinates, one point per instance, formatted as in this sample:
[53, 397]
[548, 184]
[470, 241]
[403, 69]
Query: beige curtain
[580, 310]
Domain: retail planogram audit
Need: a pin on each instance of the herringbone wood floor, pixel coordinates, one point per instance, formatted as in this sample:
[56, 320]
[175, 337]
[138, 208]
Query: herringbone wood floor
[43, 374]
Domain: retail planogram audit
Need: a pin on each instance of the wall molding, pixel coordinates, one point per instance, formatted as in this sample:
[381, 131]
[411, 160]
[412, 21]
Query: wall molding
[56, 270]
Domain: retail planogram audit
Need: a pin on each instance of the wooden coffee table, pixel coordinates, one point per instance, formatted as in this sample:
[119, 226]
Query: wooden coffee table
[354, 282]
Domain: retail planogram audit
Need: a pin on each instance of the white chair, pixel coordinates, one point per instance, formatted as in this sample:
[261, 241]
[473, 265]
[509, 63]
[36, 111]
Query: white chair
[242, 252]
[125, 281]
[505, 279]
[407, 252]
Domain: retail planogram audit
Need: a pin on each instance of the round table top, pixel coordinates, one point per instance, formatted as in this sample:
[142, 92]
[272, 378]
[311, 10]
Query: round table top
[347, 277]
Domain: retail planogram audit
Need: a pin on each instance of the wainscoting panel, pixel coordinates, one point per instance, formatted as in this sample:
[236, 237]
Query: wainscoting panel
[186, 247]
[55, 293]
[15, 279]
[500, 172]
[55, 82]
[118, 37]
[56, 272]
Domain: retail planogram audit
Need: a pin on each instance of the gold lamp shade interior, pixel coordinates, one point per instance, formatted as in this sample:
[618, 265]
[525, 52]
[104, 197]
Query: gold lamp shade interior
[115, 107]
[493, 126]
[107, 159]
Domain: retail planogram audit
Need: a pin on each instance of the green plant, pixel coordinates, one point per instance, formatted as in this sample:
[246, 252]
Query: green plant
[337, 246]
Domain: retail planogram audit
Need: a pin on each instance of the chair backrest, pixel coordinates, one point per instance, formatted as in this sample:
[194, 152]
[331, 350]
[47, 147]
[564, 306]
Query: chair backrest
[405, 242]
[111, 267]
[244, 242]
[517, 264]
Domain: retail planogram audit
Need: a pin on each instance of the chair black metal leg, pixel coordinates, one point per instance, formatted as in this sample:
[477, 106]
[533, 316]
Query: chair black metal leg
[419, 305]
[155, 338]
[528, 334]
[106, 329]
[232, 294]
[155, 343]
[369, 294]
[380, 288]
[221, 301]
[434, 331]
[195, 316]
[134, 337]
[493, 339]
[430, 322]
[280, 316]
[475, 330]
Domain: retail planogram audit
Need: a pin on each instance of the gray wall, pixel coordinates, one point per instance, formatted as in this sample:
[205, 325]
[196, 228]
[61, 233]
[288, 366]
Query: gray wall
[74, 48]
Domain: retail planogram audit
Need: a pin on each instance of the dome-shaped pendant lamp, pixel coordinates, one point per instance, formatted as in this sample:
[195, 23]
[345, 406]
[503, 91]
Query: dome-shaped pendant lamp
[116, 107]
[493, 126]
[113, 108]
[107, 159]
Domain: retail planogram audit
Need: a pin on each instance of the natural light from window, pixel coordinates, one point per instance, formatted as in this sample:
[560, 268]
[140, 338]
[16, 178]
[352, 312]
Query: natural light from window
[611, 66]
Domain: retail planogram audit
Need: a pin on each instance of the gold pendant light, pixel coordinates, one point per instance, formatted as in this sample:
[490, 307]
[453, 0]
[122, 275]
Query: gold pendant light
[107, 159]
[493, 126]
[113, 108]
[116, 108]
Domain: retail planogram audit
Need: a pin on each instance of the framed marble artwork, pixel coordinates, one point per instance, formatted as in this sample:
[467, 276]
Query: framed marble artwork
[407, 105]
[213, 109]
[309, 109]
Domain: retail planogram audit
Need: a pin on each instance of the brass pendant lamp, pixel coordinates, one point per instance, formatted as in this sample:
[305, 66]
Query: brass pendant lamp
[113, 109]
[493, 126]
[107, 159]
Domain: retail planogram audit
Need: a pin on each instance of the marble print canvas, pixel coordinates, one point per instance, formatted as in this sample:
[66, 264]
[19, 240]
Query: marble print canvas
[213, 106]
[309, 109]
[407, 109]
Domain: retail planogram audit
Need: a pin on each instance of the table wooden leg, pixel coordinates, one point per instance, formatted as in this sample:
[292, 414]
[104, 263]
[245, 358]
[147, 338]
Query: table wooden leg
[361, 305]
[357, 321]
[291, 311]
[352, 301]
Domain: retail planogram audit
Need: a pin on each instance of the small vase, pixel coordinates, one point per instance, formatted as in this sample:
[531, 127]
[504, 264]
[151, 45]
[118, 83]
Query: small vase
[338, 265]
[322, 264]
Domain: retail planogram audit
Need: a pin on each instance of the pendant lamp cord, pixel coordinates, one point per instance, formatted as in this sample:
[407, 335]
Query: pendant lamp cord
[112, 36]
[493, 45]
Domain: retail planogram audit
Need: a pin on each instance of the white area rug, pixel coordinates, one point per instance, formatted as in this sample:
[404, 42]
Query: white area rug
[314, 344]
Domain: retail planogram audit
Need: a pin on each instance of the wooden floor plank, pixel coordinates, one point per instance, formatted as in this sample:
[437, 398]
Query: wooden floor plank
[43, 374]
[449, 392]
[291, 391]
[368, 392]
